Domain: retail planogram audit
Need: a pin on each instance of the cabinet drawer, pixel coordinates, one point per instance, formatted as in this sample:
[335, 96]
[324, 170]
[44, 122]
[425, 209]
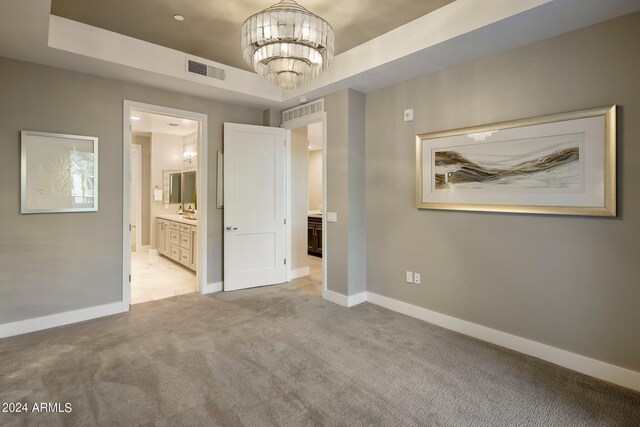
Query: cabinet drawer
[184, 228]
[174, 237]
[185, 240]
[175, 253]
[174, 225]
[185, 256]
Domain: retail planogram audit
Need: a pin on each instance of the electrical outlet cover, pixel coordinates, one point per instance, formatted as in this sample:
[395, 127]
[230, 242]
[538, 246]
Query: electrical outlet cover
[416, 278]
[408, 115]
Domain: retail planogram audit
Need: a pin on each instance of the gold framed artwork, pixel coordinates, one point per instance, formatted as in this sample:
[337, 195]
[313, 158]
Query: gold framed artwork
[561, 164]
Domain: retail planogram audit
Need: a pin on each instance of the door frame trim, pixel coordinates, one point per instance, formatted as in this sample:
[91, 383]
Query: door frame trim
[138, 186]
[320, 116]
[201, 269]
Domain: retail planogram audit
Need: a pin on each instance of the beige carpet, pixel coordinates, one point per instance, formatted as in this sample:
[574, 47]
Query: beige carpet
[283, 356]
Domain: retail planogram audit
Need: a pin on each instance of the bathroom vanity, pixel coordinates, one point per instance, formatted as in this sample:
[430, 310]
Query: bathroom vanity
[314, 234]
[177, 238]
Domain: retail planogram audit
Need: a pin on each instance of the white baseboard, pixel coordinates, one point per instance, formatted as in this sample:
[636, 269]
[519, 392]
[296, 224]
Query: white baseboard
[61, 319]
[210, 288]
[595, 368]
[300, 272]
[357, 299]
[343, 300]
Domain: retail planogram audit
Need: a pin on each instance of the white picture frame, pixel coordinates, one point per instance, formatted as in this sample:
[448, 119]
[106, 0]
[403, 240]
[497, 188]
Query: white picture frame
[59, 173]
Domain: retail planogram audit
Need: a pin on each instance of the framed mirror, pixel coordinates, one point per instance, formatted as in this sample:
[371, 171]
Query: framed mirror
[172, 191]
[175, 190]
[190, 193]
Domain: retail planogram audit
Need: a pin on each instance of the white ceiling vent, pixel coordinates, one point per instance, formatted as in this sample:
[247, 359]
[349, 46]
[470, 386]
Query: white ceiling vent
[303, 110]
[206, 70]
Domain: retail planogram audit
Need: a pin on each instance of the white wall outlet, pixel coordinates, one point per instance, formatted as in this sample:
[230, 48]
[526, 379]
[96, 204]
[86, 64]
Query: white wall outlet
[332, 216]
[416, 278]
[409, 277]
[408, 115]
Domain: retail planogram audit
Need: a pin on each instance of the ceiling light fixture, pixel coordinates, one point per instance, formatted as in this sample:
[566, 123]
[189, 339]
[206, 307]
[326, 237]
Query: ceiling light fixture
[287, 44]
[179, 18]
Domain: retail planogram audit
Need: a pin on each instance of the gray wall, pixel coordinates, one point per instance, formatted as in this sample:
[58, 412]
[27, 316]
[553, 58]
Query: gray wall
[58, 262]
[357, 225]
[346, 239]
[569, 282]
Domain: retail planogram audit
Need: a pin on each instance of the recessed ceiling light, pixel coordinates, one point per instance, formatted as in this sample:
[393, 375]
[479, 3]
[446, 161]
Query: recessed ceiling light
[178, 17]
[135, 118]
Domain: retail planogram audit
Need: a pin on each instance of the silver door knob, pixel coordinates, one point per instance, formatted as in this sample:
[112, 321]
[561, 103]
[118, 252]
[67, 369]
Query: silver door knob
[229, 228]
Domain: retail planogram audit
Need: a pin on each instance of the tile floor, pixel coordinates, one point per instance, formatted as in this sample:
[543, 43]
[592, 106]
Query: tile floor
[155, 277]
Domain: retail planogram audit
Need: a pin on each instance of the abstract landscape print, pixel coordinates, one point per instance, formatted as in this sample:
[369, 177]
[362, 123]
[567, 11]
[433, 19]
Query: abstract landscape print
[532, 164]
[560, 164]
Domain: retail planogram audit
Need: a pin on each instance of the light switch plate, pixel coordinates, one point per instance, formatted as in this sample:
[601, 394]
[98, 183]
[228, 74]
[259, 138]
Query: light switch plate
[332, 217]
[409, 277]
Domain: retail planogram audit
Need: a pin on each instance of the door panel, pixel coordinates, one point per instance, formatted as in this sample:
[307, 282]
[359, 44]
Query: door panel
[254, 208]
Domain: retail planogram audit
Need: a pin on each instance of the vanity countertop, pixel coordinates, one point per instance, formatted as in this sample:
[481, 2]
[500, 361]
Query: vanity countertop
[178, 218]
[315, 214]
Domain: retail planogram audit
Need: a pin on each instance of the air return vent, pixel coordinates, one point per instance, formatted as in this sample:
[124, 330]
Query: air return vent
[196, 67]
[303, 110]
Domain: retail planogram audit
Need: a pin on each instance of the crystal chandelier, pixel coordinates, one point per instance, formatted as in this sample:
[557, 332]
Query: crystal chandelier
[287, 44]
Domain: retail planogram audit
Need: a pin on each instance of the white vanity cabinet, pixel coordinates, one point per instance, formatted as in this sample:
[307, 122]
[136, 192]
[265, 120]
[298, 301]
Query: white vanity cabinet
[178, 239]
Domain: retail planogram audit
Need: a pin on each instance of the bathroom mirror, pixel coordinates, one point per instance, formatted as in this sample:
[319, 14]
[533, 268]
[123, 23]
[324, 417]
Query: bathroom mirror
[189, 194]
[172, 180]
[175, 191]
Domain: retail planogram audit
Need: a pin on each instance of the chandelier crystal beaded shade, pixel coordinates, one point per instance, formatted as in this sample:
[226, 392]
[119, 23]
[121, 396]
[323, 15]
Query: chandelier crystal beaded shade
[287, 44]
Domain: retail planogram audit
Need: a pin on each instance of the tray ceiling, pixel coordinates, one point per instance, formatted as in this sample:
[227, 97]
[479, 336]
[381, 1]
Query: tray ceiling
[211, 28]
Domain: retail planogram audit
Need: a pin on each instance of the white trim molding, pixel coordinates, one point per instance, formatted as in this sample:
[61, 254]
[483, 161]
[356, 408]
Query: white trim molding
[320, 116]
[576, 362]
[202, 178]
[344, 300]
[61, 319]
[210, 288]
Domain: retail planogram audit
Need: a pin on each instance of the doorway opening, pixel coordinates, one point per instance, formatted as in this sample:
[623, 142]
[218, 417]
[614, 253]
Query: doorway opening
[164, 203]
[306, 202]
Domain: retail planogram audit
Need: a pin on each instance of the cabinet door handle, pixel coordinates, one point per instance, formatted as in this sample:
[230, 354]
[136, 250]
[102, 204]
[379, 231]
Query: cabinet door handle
[229, 228]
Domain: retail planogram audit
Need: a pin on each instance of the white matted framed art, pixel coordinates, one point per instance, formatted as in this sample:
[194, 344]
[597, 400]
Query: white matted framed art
[563, 164]
[59, 173]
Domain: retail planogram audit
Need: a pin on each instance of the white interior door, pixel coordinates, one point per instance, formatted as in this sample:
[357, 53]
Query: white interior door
[136, 197]
[254, 206]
